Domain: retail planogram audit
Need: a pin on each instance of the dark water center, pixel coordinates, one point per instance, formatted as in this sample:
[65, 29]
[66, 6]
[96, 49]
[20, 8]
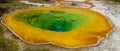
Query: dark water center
[53, 20]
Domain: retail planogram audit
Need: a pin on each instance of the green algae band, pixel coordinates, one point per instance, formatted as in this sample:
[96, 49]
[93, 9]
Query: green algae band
[64, 26]
[52, 20]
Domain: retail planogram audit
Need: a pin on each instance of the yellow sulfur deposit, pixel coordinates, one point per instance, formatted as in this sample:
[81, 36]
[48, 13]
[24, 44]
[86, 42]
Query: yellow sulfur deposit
[63, 26]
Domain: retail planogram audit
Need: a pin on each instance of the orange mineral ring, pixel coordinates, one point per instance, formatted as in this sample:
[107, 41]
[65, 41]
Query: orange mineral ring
[64, 26]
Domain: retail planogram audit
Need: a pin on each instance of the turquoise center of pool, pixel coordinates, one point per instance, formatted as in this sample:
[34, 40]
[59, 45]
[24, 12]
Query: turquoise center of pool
[52, 20]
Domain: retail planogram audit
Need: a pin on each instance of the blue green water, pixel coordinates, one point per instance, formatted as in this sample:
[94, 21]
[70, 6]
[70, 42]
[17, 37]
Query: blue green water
[52, 20]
